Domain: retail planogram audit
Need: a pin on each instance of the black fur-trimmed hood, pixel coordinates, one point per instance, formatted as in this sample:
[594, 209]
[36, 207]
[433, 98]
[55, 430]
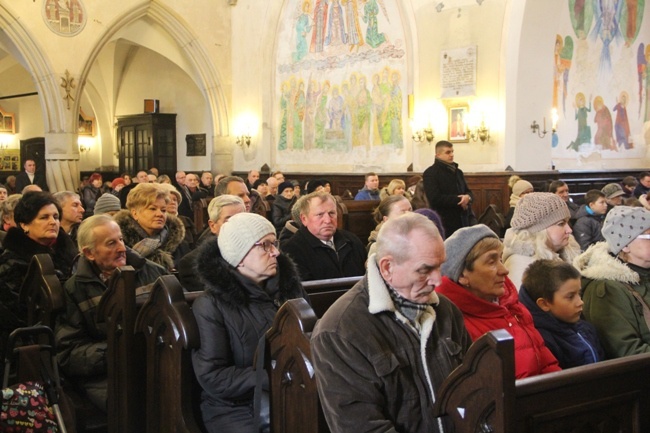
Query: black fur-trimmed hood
[223, 282]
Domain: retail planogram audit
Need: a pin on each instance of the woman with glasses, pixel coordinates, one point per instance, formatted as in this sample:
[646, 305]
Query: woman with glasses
[616, 282]
[246, 280]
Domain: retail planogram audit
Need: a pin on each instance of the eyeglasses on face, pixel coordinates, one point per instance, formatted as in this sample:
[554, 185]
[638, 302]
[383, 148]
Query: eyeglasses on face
[267, 245]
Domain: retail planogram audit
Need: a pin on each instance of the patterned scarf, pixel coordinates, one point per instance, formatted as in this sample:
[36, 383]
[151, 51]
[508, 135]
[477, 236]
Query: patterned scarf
[411, 310]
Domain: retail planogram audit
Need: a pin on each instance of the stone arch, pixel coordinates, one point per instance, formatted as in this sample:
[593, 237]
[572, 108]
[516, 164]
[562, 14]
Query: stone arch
[209, 80]
[31, 55]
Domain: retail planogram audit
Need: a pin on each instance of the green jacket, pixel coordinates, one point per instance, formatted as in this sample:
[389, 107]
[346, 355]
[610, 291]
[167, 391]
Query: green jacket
[609, 304]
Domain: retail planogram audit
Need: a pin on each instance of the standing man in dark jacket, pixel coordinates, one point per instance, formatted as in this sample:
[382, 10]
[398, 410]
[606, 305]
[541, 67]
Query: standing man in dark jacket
[30, 177]
[80, 340]
[447, 190]
[383, 349]
[319, 249]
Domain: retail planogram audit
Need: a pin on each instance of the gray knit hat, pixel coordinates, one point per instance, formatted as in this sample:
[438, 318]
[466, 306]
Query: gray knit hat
[240, 233]
[458, 246]
[107, 203]
[538, 210]
[623, 224]
[612, 190]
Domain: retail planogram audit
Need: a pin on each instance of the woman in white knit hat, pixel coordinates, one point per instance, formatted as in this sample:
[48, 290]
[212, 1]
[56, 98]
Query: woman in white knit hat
[616, 282]
[539, 230]
[246, 280]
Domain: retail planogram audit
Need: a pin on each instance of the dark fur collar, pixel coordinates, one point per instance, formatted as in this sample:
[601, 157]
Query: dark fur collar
[133, 233]
[222, 281]
[63, 252]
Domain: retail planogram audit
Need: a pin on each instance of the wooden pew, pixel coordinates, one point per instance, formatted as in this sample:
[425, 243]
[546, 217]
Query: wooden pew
[170, 333]
[482, 394]
[126, 371]
[42, 292]
[359, 218]
[162, 333]
[295, 406]
[323, 293]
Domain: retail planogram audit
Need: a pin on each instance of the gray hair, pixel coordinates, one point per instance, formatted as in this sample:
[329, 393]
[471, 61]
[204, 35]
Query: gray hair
[222, 186]
[85, 236]
[63, 196]
[303, 204]
[393, 237]
[7, 207]
[218, 203]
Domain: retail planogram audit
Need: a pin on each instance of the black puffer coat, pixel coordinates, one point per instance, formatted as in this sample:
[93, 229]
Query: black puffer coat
[232, 315]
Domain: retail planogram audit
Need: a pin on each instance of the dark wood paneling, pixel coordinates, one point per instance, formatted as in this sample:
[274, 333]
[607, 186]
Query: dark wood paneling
[488, 188]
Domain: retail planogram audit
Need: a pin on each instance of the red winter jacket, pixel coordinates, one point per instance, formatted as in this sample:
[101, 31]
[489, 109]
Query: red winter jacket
[532, 357]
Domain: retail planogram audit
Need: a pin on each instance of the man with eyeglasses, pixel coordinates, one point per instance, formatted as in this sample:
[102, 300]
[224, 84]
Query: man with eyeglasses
[319, 248]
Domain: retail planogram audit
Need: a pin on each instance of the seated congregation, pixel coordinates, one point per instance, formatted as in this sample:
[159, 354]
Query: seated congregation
[212, 291]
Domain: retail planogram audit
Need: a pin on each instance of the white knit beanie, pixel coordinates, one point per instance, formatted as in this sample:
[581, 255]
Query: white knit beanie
[539, 210]
[240, 233]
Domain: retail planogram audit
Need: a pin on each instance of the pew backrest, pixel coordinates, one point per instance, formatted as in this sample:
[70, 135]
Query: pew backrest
[126, 376]
[295, 405]
[323, 293]
[482, 394]
[170, 333]
[42, 292]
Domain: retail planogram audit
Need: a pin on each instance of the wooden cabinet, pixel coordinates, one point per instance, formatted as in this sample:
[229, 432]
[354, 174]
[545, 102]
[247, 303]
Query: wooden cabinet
[145, 141]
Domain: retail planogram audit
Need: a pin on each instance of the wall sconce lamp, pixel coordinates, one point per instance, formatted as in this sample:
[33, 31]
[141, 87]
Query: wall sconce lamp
[243, 139]
[534, 127]
[481, 132]
[85, 144]
[423, 134]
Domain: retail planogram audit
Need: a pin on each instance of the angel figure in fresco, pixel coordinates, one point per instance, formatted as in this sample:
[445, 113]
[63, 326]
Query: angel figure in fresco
[606, 28]
[557, 73]
[298, 116]
[336, 109]
[395, 111]
[313, 92]
[370, 12]
[584, 130]
[581, 13]
[566, 56]
[621, 124]
[284, 102]
[379, 108]
[321, 115]
[605, 127]
[336, 26]
[631, 19]
[319, 26]
[353, 109]
[364, 113]
[643, 59]
[386, 87]
[302, 28]
[355, 38]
